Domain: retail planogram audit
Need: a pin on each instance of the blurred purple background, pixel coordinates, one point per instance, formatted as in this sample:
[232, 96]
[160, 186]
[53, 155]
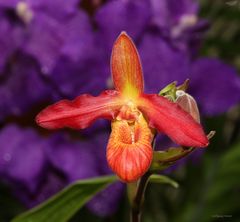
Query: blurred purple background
[58, 49]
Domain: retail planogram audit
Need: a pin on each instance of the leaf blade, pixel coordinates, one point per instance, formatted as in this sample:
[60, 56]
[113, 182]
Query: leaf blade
[155, 178]
[67, 202]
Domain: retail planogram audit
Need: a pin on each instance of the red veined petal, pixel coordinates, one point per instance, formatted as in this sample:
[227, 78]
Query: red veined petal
[126, 67]
[171, 119]
[129, 150]
[80, 112]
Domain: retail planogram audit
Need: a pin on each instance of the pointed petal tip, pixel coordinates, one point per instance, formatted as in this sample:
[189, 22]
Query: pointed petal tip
[42, 121]
[207, 139]
[39, 119]
[123, 36]
[123, 33]
[204, 140]
[126, 66]
[204, 143]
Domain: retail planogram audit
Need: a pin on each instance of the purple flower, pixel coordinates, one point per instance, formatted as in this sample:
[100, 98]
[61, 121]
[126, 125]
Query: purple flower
[178, 22]
[74, 78]
[161, 62]
[51, 183]
[22, 158]
[54, 60]
[75, 159]
[71, 38]
[169, 13]
[51, 33]
[22, 88]
[84, 159]
[10, 40]
[215, 85]
[115, 16]
[107, 202]
[43, 166]
[35, 6]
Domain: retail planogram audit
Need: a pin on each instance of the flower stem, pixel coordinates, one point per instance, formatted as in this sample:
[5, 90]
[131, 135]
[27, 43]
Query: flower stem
[139, 197]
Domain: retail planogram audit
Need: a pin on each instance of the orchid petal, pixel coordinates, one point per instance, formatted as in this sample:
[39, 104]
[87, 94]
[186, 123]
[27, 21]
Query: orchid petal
[129, 150]
[171, 119]
[80, 112]
[126, 67]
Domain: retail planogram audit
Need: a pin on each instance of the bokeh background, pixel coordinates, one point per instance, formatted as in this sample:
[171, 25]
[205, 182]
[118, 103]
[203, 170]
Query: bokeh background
[50, 50]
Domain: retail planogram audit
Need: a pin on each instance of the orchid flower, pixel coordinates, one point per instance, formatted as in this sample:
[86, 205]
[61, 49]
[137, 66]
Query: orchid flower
[134, 115]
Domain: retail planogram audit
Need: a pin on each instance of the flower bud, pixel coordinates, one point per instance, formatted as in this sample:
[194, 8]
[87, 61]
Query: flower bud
[188, 103]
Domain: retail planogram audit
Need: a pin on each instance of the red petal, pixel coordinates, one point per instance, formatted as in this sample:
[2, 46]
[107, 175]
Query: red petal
[126, 66]
[80, 112]
[172, 120]
[129, 151]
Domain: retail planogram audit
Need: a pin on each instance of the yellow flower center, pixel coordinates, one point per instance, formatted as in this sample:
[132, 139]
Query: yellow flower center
[129, 112]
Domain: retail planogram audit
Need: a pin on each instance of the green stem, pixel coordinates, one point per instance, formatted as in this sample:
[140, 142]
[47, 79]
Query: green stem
[137, 202]
[139, 197]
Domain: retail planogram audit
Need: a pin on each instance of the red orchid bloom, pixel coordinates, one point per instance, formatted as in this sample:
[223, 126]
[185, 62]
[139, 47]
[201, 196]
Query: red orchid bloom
[133, 114]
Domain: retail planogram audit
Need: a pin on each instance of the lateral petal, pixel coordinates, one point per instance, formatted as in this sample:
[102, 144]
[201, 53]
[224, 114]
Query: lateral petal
[129, 150]
[171, 119]
[80, 112]
[126, 66]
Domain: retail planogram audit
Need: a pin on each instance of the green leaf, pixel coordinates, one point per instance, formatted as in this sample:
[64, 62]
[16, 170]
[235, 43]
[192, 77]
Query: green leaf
[171, 154]
[164, 159]
[67, 202]
[155, 178]
[170, 89]
[184, 86]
